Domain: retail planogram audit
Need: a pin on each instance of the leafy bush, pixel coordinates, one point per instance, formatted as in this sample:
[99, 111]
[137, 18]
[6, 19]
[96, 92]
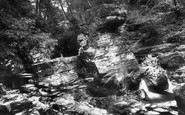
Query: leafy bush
[20, 39]
[140, 3]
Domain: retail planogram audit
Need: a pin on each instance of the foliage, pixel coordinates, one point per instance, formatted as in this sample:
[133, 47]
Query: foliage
[44, 46]
[151, 65]
[143, 3]
[21, 37]
[81, 21]
[31, 34]
[48, 17]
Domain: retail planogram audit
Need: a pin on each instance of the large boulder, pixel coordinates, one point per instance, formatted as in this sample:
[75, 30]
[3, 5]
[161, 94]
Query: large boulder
[155, 75]
[172, 61]
[180, 98]
[113, 64]
[179, 75]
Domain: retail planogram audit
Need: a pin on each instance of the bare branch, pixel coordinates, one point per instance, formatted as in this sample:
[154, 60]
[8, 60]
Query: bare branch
[63, 11]
[89, 3]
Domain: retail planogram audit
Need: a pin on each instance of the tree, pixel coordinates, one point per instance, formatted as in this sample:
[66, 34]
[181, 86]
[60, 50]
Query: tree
[20, 37]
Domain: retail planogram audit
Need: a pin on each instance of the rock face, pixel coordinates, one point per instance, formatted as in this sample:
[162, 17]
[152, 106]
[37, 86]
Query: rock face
[62, 72]
[48, 68]
[180, 98]
[109, 17]
[111, 53]
[16, 103]
[113, 64]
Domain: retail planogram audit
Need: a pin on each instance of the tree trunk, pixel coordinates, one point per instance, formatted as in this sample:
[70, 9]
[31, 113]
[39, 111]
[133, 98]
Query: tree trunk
[37, 8]
[175, 2]
[65, 15]
[89, 3]
[69, 9]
